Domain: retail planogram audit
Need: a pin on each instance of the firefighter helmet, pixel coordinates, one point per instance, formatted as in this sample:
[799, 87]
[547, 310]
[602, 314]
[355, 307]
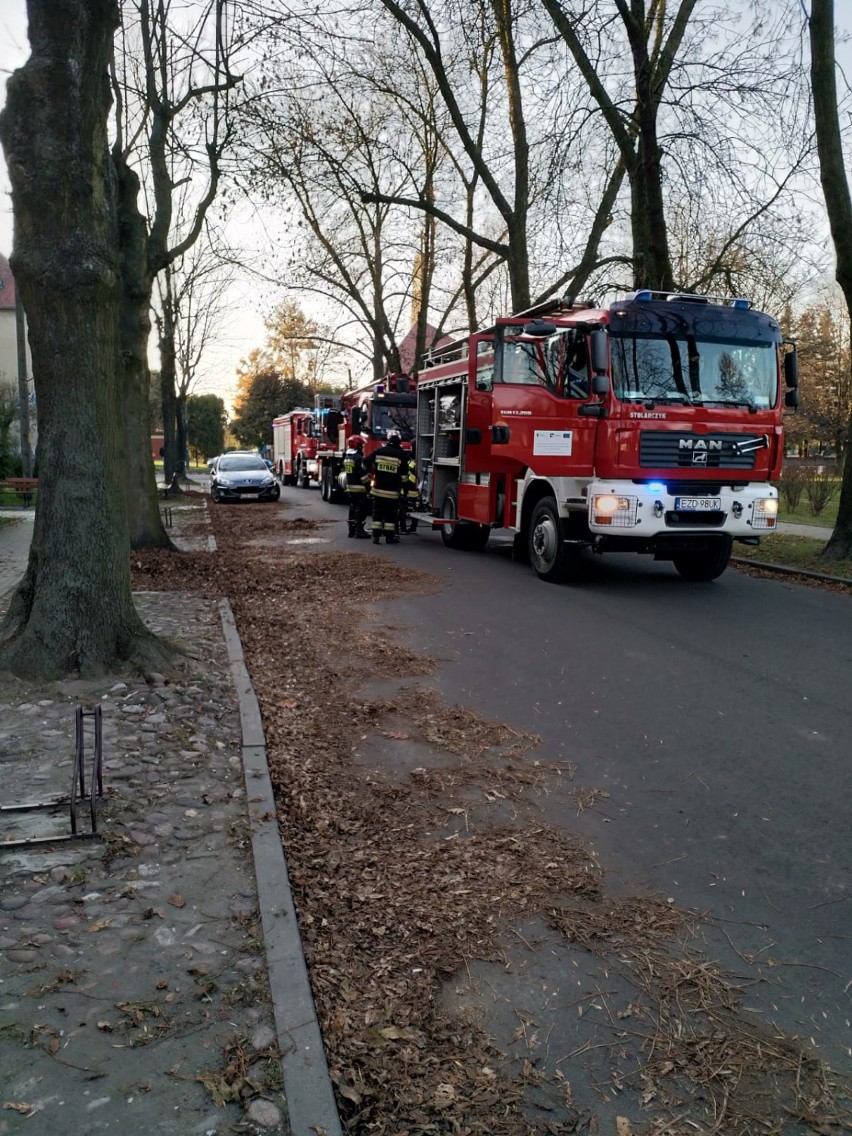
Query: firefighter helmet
[394, 436]
[354, 441]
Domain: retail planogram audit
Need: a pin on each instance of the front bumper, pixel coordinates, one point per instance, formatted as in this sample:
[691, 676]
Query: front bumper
[652, 510]
[247, 492]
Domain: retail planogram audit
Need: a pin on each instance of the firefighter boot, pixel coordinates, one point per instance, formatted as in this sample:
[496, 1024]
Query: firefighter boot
[360, 534]
[392, 538]
[352, 531]
[376, 538]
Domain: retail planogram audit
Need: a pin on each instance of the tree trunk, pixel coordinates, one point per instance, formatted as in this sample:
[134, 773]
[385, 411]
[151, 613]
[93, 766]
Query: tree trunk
[73, 612]
[652, 266]
[838, 205]
[144, 522]
[168, 381]
[182, 432]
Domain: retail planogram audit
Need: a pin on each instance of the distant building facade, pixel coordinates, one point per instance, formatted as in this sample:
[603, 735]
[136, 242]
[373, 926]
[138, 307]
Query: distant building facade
[9, 354]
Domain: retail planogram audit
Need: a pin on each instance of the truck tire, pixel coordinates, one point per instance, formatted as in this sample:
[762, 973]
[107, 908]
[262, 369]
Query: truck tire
[467, 536]
[706, 565]
[325, 483]
[300, 475]
[551, 558]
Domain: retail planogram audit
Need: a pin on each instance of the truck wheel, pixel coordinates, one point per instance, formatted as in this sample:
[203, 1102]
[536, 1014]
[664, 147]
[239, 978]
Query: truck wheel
[471, 537]
[325, 483]
[551, 558]
[705, 565]
[300, 475]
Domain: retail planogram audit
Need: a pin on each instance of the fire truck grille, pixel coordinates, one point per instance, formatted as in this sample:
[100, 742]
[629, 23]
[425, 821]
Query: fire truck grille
[661, 449]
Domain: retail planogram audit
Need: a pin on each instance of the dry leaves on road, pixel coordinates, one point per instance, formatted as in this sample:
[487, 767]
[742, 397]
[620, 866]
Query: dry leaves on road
[401, 880]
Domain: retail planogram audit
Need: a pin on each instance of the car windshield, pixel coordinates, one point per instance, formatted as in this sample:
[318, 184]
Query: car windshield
[234, 462]
[668, 368]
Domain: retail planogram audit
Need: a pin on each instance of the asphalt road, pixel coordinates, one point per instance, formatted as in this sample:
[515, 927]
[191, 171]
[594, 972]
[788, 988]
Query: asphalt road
[716, 716]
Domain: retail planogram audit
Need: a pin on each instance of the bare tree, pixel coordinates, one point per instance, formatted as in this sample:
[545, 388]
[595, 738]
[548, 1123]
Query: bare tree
[838, 203]
[73, 611]
[172, 115]
[190, 313]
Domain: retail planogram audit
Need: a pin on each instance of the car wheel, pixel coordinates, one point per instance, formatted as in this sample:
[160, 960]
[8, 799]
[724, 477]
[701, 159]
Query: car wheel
[215, 493]
[551, 558]
[276, 493]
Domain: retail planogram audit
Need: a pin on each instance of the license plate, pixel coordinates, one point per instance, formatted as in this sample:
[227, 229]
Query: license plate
[698, 504]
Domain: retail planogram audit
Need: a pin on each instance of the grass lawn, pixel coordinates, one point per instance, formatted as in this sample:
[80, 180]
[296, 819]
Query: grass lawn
[794, 552]
[804, 515]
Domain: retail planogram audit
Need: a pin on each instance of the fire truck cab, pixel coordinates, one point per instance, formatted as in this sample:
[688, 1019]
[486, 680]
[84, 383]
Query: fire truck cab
[653, 426]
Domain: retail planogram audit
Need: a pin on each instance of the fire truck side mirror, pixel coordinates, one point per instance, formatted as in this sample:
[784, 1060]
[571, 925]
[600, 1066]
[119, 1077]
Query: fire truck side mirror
[791, 369]
[356, 420]
[600, 384]
[600, 356]
[791, 397]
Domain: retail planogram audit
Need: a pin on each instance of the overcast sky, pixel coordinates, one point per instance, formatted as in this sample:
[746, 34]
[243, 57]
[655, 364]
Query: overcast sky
[244, 328]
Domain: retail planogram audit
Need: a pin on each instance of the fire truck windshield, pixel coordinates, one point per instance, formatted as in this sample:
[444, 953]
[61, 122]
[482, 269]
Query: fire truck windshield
[657, 368]
[388, 417]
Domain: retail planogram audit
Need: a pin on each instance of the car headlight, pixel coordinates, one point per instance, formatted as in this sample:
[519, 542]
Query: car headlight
[223, 482]
[267, 481]
[765, 513]
[614, 510]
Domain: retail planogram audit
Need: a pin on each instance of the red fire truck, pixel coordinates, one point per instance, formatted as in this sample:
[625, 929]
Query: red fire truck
[300, 436]
[653, 426]
[309, 445]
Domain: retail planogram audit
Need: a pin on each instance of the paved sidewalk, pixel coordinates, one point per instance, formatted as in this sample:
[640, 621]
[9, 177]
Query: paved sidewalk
[151, 981]
[793, 528]
[15, 539]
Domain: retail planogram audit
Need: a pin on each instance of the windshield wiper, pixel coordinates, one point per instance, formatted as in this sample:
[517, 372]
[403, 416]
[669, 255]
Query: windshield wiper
[663, 399]
[752, 407]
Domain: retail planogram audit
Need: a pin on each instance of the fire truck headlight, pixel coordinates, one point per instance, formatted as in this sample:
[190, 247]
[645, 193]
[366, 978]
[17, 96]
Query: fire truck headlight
[765, 513]
[614, 511]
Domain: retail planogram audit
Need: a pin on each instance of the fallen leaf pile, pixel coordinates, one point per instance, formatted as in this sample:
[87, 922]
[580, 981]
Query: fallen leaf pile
[404, 875]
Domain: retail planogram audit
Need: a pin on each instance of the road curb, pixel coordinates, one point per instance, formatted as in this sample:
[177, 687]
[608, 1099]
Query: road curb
[307, 1083]
[792, 571]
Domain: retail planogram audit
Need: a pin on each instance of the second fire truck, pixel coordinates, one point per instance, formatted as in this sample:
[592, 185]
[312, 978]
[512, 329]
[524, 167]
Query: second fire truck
[653, 425]
[309, 445]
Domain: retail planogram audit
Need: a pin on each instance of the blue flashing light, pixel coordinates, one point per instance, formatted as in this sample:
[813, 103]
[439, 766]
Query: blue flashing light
[643, 294]
[656, 487]
[742, 304]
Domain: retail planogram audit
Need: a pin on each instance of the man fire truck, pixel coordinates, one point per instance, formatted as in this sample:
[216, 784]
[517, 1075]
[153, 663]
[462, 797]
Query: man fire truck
[373, 411]
[653, 426]
[310, 445]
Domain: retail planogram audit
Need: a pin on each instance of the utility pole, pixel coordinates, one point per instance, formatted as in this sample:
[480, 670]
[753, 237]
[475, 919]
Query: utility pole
[23, 387]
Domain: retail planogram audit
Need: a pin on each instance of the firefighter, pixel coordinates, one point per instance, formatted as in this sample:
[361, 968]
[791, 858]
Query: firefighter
[408, 498]
[388, 464]
[357, 485]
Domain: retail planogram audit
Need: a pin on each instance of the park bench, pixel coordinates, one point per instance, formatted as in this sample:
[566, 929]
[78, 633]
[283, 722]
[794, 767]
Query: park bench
[24, 487]
[172, 488]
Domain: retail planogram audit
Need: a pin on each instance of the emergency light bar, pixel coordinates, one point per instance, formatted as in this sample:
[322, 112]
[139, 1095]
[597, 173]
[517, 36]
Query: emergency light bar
[646, 294]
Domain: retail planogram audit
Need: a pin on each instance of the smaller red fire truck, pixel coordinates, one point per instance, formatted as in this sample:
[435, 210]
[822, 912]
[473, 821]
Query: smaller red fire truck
[300, 436]
[653, 425]
[309, 445]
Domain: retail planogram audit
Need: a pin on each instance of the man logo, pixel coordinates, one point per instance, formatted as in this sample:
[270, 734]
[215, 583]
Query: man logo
[704, 444]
